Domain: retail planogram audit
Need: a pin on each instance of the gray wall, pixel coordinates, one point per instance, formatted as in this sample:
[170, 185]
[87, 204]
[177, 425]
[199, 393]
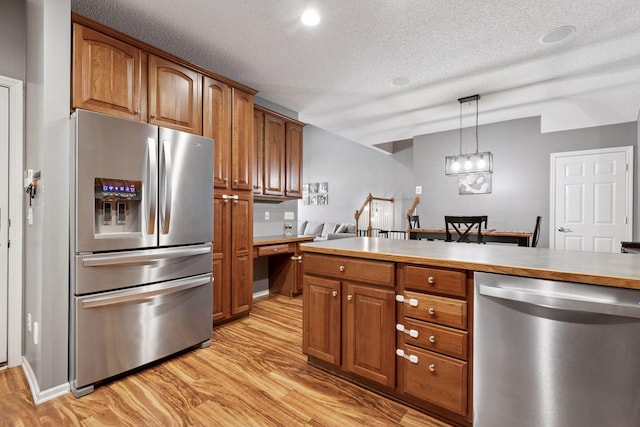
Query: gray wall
[353, 171]
[46, 285]
[13, 39]
[521, 171]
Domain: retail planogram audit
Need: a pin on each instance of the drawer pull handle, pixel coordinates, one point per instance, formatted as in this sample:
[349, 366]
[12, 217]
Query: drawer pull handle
[411, 301]
[334, 293]
[432, 338]
[297, 258]
[342, 268]
[432, 310]
[410, 357]
[411, 332]
[432, 367]
[431, 280]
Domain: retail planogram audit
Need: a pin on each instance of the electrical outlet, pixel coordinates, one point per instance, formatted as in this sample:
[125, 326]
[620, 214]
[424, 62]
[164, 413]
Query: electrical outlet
[266, 216]
[29, 322]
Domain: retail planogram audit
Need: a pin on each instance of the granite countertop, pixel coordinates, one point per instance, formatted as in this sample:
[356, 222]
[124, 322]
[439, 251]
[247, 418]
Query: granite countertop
[280, 238]
[609, 269]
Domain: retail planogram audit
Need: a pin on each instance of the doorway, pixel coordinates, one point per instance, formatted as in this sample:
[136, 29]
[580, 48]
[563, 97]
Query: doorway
[591, 199]
[11, 214]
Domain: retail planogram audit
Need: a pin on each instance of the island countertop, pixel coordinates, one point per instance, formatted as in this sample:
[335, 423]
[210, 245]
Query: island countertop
[279, 239]
[608, 269]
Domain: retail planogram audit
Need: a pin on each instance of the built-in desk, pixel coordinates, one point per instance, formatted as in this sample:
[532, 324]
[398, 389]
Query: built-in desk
[285, 261]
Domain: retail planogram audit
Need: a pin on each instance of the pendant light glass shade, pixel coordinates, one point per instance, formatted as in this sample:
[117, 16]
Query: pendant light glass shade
[463, 164]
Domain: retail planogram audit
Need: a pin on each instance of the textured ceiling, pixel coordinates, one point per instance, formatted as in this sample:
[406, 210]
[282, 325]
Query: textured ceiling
[338, 74]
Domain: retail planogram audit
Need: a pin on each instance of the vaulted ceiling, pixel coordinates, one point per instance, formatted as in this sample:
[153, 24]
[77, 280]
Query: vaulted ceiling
[339, 74]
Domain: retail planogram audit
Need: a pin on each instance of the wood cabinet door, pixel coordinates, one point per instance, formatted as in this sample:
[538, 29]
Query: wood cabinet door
[274, 155]
[175, 96]
[241, 140]
[321, 319]
[293, 149]
[216, 124]
[107, 75]
[221, 258]
[258, 151]
[242, 252]
[370, 332]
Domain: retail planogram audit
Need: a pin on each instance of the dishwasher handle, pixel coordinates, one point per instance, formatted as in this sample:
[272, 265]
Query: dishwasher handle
[563, 301]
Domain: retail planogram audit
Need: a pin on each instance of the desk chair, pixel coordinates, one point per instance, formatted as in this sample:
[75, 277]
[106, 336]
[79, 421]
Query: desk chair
[536, 232]
[465, 227]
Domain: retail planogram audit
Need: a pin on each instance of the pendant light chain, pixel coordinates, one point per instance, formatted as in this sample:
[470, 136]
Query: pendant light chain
[477, 124]
[460, 128]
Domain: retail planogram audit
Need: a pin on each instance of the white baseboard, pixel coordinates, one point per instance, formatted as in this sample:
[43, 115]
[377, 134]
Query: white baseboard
[40, 396]
[261, 294]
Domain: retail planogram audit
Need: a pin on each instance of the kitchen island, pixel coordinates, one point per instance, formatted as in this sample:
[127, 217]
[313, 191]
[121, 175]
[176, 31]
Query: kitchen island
[397, 316]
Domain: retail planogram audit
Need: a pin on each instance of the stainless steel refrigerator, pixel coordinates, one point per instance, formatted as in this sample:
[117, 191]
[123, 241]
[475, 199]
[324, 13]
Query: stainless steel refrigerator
[141, 258]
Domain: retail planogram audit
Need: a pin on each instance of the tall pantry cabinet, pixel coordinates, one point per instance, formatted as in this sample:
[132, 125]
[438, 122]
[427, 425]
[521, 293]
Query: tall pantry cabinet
[228, 119]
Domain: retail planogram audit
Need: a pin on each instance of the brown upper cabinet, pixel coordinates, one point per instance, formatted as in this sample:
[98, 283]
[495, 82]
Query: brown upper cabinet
[109, 76]
[115, 74]
[175, 96]
[228, 119]
[278, 165]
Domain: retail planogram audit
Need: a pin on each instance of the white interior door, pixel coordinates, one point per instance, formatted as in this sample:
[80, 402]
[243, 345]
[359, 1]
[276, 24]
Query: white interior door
[4, 223]
[591, 199]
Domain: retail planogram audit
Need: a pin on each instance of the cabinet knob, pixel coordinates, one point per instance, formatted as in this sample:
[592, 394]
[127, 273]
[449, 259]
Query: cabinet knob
[334, 293]
[349, 297]
[432, 338]
[431, 280]
[432, 367]
[226, 179]
[342, 268]
[235, 181]
[153, 115]
[136, 112]
[432, 310]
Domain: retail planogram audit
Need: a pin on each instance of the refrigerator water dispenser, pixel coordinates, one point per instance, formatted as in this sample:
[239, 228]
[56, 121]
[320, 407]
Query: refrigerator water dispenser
[117, 206]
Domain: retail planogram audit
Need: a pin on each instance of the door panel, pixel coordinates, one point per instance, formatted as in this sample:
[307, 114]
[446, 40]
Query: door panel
[321, 319]
[217, 125]
[242, 140]
[4, 223]
[185, 189]
[242, 253]
[591, 202]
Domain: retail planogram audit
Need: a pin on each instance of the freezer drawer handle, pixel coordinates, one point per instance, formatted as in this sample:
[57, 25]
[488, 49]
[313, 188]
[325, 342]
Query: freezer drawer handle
[411, 332]
[410, 357]
[144, 258]
[411, 301]
[563, 301]
[106, 300]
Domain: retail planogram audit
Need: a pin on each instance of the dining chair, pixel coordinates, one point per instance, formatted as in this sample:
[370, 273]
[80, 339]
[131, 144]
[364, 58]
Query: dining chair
[536, 232]
[414, 221]
[465, 227]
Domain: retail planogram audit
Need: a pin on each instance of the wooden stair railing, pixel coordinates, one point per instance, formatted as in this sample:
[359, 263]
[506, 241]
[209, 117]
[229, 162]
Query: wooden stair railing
[367, 204]
[412, 211]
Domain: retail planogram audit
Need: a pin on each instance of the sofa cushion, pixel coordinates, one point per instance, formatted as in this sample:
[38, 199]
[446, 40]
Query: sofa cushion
[329, 227]
[301, 226]
[346, 227]
[313, 228]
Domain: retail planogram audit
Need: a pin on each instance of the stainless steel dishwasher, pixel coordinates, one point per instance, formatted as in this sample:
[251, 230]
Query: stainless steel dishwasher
[555, 354]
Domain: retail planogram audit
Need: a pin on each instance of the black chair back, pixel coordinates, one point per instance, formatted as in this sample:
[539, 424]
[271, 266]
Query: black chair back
[536, 232]
[465, 227]
[414, 222]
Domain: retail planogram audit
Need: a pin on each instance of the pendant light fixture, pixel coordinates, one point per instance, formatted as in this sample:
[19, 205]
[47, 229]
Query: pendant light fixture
[462, 164]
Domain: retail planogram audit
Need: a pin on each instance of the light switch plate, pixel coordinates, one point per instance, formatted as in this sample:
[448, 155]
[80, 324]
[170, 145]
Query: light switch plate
[418, 189]
[266, 216]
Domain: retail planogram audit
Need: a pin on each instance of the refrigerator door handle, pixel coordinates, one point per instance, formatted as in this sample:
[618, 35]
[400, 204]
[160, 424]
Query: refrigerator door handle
[128, 296]
[152, 167]
[166, 187]
[125, 258]
[563, 301]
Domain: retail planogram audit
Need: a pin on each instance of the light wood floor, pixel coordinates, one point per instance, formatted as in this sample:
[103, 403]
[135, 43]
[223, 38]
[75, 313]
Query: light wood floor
[254, 374]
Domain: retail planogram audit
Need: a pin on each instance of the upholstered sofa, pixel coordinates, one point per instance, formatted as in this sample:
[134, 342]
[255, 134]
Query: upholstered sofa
[326, 230]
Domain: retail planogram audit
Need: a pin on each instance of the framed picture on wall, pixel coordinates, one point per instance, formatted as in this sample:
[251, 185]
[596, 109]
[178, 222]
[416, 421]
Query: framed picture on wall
[474, 183]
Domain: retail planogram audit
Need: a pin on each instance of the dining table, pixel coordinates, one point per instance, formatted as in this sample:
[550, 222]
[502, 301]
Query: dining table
[521, 238]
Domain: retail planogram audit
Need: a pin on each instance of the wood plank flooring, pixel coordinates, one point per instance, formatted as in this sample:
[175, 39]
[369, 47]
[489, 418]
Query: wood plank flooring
[254, 374]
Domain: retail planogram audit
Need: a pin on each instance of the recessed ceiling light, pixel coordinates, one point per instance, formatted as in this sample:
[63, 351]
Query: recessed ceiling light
[310, 17]
[400, 81]
[557, 35]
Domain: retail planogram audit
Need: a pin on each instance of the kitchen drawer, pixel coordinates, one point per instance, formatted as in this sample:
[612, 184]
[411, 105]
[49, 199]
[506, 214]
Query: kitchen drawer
[343, 268]
[434, 378]
[449, 282]
[441, 310]
[441, 339]
[282, 248]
